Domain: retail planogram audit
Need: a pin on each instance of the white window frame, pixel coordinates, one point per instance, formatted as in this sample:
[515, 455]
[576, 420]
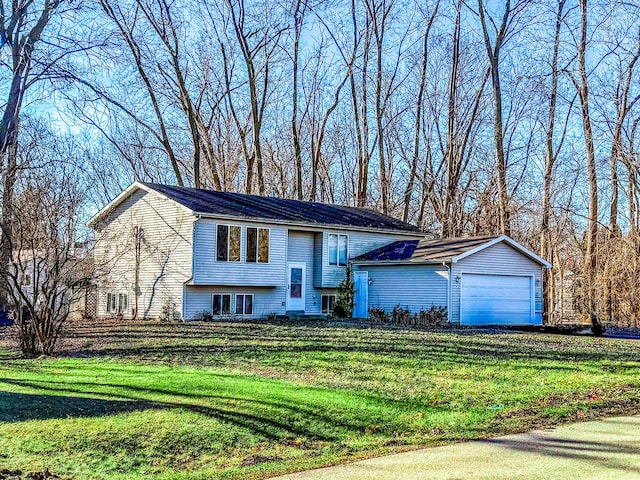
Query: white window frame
[229, 226]
[222, 314]
[257, 245]
[328, 311]
[123, 295]
[337, 262]
[112, 304]
[235, 305]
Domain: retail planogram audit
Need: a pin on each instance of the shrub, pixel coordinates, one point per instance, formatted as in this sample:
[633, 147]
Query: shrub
[205, 316]
[343, 308]
[433, 317]
[378, 315]
[168, 312]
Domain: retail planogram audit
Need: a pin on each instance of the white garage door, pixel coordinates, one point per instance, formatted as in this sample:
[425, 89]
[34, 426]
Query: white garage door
[496, 300]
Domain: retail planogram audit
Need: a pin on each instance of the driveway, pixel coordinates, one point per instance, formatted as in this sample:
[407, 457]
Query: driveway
[604, 449]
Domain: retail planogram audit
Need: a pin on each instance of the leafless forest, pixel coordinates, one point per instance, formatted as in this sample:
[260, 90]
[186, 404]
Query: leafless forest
[463, 117]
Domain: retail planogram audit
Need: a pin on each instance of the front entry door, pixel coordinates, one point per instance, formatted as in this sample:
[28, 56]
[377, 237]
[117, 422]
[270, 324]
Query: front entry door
[296, 286]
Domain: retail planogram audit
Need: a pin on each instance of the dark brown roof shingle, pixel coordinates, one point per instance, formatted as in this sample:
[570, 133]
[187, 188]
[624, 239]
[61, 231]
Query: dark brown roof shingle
[279, 209]
[425, 250]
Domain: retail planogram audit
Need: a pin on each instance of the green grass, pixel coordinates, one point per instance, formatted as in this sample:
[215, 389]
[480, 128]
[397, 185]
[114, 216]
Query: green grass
[242, 400]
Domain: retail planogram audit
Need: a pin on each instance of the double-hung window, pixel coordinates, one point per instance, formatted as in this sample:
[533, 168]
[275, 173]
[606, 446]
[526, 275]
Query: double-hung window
[228, 243]
[338, 249]
[328, 301]
[111, 303]
[244, 304]
[257, 249]
[221, 304]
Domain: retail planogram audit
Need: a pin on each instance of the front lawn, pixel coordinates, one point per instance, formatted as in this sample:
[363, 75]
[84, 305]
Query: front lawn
[242, 400]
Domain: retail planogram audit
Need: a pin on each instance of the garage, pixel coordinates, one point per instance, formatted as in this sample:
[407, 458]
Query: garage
[477, 280]
[496, 299]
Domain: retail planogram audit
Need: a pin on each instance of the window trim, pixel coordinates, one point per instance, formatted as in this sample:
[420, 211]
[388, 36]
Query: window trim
[229, 226]
[222, 314]
[337, 264]
[113, 306]
[329, 311]
[257, 262]
[235, 304]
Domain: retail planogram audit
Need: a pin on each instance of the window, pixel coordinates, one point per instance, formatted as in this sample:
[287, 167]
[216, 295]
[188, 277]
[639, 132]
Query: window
[221, 304]
[123, 303]
[257, 249]
[228, 243]
[111, 303]
[328, 301]
[26, 280]
[338, 249]
[117, 303]
[244, 304]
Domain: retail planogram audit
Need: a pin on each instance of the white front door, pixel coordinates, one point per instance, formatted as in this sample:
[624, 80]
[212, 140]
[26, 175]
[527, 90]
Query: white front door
[361, 298]
[296, 286]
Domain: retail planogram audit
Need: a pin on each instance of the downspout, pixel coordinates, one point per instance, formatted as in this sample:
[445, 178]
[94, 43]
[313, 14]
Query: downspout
[448, 291]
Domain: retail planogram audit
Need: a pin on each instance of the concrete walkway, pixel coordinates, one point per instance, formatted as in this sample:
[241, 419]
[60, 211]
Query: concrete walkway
[604, 449]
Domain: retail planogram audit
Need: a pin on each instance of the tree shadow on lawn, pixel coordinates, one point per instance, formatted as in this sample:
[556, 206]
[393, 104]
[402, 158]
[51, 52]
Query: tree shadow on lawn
[271, 419]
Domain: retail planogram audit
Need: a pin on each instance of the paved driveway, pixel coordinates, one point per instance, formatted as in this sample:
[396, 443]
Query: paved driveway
[605, 449]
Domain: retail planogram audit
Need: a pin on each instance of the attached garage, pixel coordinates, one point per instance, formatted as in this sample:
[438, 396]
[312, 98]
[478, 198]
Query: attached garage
[480, 280]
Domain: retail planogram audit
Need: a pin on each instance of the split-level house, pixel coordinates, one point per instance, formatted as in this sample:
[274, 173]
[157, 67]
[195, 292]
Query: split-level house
[194, 253]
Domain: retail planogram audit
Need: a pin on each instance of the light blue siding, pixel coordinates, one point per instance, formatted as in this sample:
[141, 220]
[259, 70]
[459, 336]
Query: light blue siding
[208, 271]
[415, 287]
[266, 300]
[359, 243]
[498, 259]
[301, 248]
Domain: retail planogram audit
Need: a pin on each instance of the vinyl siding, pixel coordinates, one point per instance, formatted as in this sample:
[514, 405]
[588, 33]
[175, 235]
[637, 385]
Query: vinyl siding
[416, 287]
[209, 271]
[266, 300]
[499, 259]
[358, 243]
[165, 256]
[301, 248]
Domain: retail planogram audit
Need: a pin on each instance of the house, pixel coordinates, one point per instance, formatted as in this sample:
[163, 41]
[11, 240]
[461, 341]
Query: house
[164, 250]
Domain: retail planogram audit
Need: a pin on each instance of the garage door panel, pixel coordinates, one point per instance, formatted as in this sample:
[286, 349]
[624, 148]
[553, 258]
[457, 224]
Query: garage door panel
[496, 300]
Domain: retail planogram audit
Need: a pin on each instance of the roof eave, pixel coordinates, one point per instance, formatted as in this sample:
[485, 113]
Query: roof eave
[316, 226]
[511, 242]
[401, 262]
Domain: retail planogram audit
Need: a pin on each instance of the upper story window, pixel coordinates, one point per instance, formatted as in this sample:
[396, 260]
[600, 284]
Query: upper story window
[338, 249]
[257, 249]
[228, 243]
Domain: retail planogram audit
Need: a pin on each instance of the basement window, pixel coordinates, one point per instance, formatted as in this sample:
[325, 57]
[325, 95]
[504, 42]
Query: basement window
[117, 303]
[328, 301]
[221, 304]
[244, 304]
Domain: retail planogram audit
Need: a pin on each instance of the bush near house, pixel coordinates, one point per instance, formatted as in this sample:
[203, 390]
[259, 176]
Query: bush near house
[152, 400]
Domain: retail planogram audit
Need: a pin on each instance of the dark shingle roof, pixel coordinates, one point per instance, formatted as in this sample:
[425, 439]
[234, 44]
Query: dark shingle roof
[278, 209]
[424, 250]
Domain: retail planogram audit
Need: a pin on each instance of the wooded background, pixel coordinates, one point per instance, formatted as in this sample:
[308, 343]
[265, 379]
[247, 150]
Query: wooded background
[461, 117]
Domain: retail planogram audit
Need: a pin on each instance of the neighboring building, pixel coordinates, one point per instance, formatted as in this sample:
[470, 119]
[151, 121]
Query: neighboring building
[189, 252]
